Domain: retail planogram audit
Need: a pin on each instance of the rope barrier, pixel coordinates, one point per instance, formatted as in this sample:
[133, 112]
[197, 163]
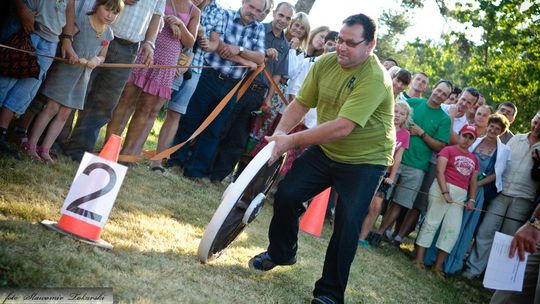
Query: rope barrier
[152, 155]
[241, 90]
[121, 65]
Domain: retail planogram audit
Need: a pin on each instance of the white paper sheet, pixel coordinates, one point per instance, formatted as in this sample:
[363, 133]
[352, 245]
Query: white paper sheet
[504, 273]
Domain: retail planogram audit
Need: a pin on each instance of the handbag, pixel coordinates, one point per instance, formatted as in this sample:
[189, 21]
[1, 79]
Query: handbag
[17, 64]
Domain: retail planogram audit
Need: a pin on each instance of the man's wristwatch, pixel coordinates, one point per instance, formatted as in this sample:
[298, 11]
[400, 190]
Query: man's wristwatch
[535, 222]
[241, 49]
[66, 36]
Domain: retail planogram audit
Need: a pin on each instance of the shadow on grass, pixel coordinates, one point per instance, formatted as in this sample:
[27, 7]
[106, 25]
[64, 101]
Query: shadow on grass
[32, 256]
[155, 227]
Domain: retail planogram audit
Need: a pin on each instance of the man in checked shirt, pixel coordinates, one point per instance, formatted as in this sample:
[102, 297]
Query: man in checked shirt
[238, 40]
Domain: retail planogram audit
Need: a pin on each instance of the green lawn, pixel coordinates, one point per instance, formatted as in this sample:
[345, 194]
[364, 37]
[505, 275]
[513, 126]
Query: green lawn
[155, 227]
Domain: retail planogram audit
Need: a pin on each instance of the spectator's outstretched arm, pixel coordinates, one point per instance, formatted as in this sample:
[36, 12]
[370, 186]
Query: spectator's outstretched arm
[148, 45]
[70, 29]
[26, 16]
[526, 238]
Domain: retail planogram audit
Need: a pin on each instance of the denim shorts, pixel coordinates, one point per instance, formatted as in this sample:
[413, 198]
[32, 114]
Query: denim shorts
[182, 91]
[16, 94]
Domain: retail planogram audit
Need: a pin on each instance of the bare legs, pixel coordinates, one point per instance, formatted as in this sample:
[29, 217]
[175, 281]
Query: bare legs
[371, 217]
[6, 115]
[55, 114]
[441, 256]
[141, 123]
[144, 107]
[124, 109]
[409, 223]
[390, 217]
[166, 134]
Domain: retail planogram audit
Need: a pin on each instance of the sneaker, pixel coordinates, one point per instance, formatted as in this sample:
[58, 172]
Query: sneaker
[376, 240]
[387, 236]
[322, 300]
[5, 148]
[263, 262]
[363, 243]
[468, 275]
[18, 137]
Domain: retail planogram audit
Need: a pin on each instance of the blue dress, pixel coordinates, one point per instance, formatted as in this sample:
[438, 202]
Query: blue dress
[454, 261]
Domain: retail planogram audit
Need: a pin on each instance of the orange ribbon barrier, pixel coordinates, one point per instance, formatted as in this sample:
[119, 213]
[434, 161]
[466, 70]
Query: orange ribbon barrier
[241, 87]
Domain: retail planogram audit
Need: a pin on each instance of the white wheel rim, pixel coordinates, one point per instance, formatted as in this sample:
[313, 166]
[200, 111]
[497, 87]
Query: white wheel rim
[230, 197]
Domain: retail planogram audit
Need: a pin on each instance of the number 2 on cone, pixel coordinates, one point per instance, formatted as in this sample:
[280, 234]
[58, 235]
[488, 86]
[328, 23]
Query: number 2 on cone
[74, 206]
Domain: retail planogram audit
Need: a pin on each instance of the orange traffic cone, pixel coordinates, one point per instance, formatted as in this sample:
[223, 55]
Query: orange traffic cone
[86, 225]
[313, 219]
[111, 150]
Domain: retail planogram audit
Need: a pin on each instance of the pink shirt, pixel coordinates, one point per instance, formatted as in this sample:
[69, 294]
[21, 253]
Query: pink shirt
[402, 139]
[460, 166]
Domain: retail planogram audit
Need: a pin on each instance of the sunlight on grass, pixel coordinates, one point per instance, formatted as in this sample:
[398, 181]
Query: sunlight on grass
[155, 227]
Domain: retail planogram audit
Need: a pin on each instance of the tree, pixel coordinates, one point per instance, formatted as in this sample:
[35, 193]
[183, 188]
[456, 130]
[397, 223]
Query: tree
[304, 6]
[392, 25]
[503, 66]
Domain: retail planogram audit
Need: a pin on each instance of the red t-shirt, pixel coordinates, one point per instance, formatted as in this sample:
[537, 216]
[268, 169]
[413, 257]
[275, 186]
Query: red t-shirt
[460, 166]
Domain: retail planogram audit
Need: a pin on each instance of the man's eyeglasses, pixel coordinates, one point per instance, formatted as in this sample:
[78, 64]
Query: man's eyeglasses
[349, 43]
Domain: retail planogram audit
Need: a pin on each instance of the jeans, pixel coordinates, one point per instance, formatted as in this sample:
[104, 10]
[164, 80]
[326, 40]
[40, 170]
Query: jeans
[182, 95]
[235, 135]
[104, 90]
[197, 158]
[310, 174]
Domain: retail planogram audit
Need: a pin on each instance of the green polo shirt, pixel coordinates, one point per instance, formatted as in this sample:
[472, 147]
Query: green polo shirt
[435, 122]
[362, 95]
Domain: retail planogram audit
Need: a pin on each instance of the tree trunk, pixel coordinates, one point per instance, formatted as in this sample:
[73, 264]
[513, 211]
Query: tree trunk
[304, 6]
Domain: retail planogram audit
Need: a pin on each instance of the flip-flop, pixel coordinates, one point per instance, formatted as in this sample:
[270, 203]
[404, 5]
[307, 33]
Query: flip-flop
[158, 168]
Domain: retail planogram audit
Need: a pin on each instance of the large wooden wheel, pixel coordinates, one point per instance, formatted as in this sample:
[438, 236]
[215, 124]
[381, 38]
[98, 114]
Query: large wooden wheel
[240, 204]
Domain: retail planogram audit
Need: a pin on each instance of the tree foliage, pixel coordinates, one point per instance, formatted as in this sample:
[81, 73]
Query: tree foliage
[304, 6]
[503, 66]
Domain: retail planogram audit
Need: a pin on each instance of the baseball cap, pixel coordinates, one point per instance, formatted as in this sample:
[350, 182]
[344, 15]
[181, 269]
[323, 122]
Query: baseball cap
[469, 129]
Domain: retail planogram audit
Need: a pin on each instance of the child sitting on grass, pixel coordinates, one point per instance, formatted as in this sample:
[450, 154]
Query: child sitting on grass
[402, 119]
[65, 85]
[457, 169]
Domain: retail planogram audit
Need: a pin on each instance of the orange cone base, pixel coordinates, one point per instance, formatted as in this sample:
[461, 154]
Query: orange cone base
[98, 243]
[79, 228]
[313, 220]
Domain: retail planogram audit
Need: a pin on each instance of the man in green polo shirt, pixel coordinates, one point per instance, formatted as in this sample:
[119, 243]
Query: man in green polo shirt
[430, 132]
[350, 150]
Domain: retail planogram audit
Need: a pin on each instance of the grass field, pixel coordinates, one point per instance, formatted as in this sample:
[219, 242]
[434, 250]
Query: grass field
[155, 227]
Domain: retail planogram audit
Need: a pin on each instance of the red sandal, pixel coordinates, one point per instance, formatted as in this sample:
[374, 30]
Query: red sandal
[30, 150]
[45, 155]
